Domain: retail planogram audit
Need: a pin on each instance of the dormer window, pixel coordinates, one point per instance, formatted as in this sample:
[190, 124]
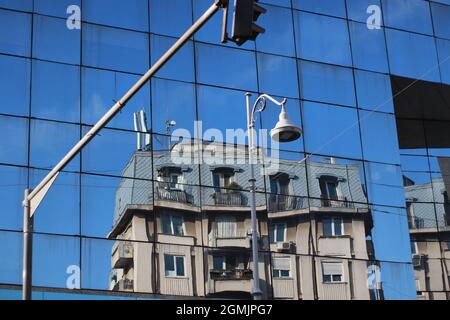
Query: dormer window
[222, 179]
[280, 184]
[329, 187]
[169, 178]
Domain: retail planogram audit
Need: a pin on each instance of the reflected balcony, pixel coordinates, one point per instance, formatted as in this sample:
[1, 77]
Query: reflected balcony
[285, 203]
[284, 288]
[234, 239]
[416, 222]
[174, 195]
[229, 199]
[124, 285]
[335, 202]
[237, 280]
[122, 254]
[335, 291]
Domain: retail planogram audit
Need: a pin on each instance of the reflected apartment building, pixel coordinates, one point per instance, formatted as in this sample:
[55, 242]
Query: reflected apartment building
[429, 222]
[192, 241]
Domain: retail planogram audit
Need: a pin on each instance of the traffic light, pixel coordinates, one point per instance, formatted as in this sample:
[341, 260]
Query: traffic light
[246, 12]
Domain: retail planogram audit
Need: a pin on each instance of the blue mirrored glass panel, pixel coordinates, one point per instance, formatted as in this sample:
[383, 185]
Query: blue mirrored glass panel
[166, 20]
[390, 234]
[52, 98]
[105, 198]
[14, 182]
[58, 8]
[59, 211]
[19, 41]
[377, 130]
[15, 85]
[277, 75]
[331, 130]
[226, 67]
[328, 7]
[374, 91]
[411, 15]
[173, 101]
[96, 263]
[368, 48]
[181, 66]
[443, 48]
[52, 40]
[441, 20]
[130, 14]
[385, 184]
[281, 3]
[398, 281]
[14, 140]
[115, 49]
[358, 10]
[326, 83]
[109, 152]
[412, 55]
[50, 142]
[100, 91]
[279, 37]
[11, 267]
[328, 43]
[442, 1]
[55, 258]
[228, 112]
[23, 5]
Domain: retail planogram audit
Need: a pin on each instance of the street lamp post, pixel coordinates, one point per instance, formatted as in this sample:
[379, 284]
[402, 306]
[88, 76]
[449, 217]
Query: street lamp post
[284, 131]
[33, 197]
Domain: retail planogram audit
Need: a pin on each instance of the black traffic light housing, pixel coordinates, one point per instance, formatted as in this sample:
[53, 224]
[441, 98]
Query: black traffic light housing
[246, 13]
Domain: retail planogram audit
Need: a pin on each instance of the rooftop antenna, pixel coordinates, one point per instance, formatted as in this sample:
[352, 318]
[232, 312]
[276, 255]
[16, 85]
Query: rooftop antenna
[140, 126]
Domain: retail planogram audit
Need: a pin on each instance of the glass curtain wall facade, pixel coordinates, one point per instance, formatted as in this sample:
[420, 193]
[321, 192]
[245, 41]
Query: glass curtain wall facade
[358, 208]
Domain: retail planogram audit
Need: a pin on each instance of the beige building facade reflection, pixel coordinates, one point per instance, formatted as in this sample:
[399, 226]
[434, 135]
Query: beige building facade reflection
[178, 239]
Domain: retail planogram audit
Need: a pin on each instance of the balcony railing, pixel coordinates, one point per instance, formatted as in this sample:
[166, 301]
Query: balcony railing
[229, 199]
[232, 274]
[335, 202]
[416, 223]
[284, 203]
[232, 238]
[172, 195]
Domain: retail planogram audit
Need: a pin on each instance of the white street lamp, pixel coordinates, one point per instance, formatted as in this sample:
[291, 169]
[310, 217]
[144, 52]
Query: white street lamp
[285, 131]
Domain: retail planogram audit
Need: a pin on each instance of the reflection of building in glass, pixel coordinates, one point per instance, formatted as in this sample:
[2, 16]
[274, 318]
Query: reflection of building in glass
[315, 247]
[428, 209]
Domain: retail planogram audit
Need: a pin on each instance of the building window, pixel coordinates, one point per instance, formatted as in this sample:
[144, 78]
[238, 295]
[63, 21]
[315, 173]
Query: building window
[169, 180]
[226, 227]
[277, 232]
[333, 227]
[174, 266]
[281, 267]
[222, 179]
[328, 187]
[219, 263]
[279, 184]
[332, 272]
[173, 225]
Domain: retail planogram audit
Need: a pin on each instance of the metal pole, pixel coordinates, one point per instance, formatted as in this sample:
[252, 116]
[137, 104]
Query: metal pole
[122, 102]
[256, 291]
[27, 248]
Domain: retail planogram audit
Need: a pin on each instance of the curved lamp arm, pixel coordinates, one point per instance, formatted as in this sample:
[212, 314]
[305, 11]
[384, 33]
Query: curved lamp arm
[263, 103]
